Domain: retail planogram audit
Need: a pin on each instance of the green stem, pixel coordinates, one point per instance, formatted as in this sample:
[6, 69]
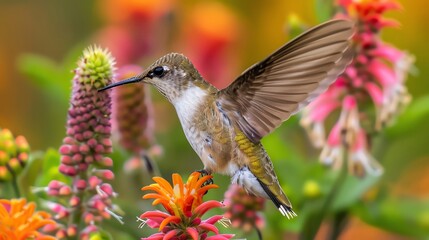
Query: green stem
[15, 185]
[258, 231]
[314, 220]
[339, 222]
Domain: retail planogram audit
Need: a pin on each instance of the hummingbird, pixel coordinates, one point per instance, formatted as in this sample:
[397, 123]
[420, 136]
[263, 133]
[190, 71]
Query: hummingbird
[225, 127]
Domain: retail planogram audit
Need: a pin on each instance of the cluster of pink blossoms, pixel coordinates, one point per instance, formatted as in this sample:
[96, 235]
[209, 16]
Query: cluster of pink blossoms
[83, 153]
[377, 75]
[243, 209]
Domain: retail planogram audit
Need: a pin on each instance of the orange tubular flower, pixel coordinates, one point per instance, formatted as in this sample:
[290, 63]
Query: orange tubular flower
[185, 207]
[19, 221]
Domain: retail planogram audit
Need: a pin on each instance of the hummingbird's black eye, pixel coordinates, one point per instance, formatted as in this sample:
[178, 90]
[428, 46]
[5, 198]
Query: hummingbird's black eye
[158, 71]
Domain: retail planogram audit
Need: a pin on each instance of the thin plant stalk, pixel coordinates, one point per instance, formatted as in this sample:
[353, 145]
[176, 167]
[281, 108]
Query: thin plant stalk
[314, 222]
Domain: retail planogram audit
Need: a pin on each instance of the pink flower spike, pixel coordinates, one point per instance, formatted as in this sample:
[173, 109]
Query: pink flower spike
[205, 206]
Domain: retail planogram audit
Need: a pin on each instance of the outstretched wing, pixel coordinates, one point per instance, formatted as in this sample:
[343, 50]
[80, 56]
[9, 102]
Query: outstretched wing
[270, 91]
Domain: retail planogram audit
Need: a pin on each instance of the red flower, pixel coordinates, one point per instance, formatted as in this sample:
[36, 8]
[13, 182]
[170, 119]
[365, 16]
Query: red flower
[185, 207]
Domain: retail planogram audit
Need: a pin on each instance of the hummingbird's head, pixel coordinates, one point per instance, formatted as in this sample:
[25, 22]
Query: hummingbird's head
[170, 75]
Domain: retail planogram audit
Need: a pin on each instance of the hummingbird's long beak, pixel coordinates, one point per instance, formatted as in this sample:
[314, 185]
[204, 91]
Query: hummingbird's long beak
[126, 81]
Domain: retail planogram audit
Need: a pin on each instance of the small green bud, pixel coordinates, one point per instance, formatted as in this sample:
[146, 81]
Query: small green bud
[5, 175]
[15, 165]
[4, 157]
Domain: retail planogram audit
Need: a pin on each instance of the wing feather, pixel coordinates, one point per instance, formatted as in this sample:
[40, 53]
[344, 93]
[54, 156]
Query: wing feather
[269, 92]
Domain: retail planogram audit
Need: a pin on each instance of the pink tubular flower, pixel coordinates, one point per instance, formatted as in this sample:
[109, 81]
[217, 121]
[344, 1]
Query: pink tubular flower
[84, 150]
[185, 207]
[347, 135]
[377, 75]
[243, 209]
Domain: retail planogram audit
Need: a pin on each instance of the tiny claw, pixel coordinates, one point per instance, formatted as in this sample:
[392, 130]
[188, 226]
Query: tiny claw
[203, 173]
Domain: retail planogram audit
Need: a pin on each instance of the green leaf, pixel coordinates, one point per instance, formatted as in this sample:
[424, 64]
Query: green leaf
[51, 161]
[352, 190]
[411, 118]
[45, 74]
[324, 10]
[404, 216]
[30, 174]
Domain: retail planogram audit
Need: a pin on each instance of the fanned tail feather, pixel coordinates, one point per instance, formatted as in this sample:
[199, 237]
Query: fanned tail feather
[284, 209]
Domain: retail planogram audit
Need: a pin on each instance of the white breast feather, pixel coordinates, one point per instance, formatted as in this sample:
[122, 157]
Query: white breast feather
[187, 105]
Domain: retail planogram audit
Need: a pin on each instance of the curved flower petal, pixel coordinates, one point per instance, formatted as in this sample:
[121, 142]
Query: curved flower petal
[192, 232]
[170, 234]
[213, 220]
[209, 227]
[163, 184]
[204, 189]
[202, 180]
[204, 207]
[155, 195]
[157, 188]
[221, 237]
[151, 214]
[177, 180]
[156, 236]
[168, 220]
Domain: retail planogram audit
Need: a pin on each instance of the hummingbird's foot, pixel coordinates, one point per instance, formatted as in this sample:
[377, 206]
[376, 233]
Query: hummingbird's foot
[203, 173]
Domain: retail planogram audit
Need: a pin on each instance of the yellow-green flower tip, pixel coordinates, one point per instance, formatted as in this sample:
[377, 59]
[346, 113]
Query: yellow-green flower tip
[96, 68]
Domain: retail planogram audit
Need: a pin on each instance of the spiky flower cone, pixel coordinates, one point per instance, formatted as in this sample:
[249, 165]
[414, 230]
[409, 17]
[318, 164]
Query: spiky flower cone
[13, 154]
[133, 121]
[83, 153]
[88, 123]
[133, 113]
[243, 209]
